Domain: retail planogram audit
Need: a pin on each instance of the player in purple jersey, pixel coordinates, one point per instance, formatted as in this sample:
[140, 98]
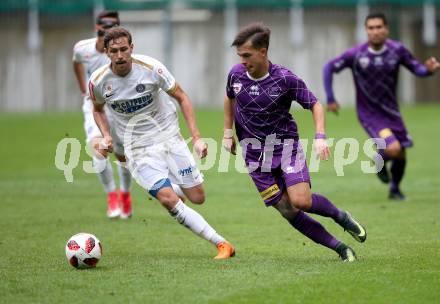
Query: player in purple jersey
[258, 98]
[375, 66]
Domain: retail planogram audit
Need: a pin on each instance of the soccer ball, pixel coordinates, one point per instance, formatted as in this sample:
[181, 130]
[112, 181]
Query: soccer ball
[83, 250]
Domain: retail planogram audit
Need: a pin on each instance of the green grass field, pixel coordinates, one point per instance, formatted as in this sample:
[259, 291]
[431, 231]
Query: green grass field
[151, 258]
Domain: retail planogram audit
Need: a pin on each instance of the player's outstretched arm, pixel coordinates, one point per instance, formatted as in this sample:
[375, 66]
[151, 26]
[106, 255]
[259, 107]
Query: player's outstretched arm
[100, 117]
[228, 133]
[78, 68]
[336, 65]
[102, 123]
[320, 143]
[188, 112]
[332, 104]
[417, 68]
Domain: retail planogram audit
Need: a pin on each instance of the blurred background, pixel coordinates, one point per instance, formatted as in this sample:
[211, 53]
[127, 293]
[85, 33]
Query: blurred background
[192, 38]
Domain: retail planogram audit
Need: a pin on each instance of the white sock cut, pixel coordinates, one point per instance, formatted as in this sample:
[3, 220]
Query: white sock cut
[195, 222]
[124, 178]
[104, 171]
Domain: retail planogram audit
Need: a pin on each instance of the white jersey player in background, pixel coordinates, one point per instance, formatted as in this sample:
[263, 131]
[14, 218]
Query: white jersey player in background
[137, 91]
[88, 56]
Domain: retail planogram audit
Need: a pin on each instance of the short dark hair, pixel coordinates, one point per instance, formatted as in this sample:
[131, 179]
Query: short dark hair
[377, 16]
[257, 33]
[107, 14]
[115, 33]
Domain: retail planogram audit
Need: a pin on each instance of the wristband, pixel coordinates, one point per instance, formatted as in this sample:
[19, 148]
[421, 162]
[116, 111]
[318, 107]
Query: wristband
[228, 133]
[320, 136]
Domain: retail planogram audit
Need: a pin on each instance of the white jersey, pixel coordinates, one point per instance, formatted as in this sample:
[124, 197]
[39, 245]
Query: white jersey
[141, 111]
[85, 52]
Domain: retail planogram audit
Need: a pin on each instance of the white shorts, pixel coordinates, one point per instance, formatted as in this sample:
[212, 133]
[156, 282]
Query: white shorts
[170, 159]
[92, 130]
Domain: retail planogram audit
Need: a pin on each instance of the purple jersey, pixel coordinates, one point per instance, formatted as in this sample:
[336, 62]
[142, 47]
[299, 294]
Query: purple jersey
[262, 105]
[375, 75]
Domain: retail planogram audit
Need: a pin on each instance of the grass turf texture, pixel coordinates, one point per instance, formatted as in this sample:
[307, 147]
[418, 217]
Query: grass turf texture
[150, 258]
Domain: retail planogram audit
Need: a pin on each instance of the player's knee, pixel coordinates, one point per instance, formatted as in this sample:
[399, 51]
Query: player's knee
[167, 198]
[394, 150]
[197, 197]
[302, 201]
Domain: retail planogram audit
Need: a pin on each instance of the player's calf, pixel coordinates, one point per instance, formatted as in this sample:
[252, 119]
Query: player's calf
[166, 196]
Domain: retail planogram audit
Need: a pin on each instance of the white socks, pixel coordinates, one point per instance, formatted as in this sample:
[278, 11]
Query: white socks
[124, 178]
[104, 171]
[195, 222]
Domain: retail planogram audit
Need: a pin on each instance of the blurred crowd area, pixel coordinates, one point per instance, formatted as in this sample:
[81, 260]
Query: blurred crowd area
[192, 38]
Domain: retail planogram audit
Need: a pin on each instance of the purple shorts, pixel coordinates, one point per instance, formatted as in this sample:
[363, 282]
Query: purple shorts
[273, 178]
[388, 132]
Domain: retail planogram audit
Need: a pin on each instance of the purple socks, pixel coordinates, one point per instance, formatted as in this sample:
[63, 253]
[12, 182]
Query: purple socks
[322, 206]
[314, 230]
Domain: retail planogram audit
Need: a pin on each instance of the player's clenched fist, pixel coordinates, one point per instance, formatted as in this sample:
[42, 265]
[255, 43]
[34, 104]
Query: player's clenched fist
[432, 64]
[106, 143]
[201, 148]
[321, 149]
[228, 141]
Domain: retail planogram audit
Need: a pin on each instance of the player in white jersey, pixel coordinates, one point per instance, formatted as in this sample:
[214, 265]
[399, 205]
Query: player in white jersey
[88, 56]
[137, 91]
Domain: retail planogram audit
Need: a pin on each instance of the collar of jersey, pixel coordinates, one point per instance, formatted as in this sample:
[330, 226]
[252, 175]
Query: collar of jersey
[257, 79]
[129, 73]
[372, 51]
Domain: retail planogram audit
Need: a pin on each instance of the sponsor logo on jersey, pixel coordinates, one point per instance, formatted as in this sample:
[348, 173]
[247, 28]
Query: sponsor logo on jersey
[274, 91]
[269, 192]
[385, 133]
[254, 90]
[392, 62]
[186, 171]
[108, 87]
[108, 90]
[237, 87]
[140, 88]
[289, 169]
[364, 62]
[132, 105]
[378, 60]
[339, 63]
[108, 95]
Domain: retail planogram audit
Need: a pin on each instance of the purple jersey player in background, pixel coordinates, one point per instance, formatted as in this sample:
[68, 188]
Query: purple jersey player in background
[258, 98]
[375, 66]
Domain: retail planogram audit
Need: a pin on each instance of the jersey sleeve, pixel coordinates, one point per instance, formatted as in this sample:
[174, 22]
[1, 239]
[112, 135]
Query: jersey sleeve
[77, 55]
[95, 93]
[341, 62]
[229, 87]
[408, 60]
[165, 79]
[300, 93]
[335, 66]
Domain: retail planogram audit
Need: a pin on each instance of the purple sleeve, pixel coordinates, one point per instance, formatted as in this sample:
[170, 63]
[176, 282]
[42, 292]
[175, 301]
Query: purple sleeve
[335, 66]
[229, 87]
[300, 93]
[408, 60]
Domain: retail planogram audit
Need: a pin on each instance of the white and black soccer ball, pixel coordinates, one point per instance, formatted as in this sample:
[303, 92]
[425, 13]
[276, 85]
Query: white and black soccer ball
[83, 250]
